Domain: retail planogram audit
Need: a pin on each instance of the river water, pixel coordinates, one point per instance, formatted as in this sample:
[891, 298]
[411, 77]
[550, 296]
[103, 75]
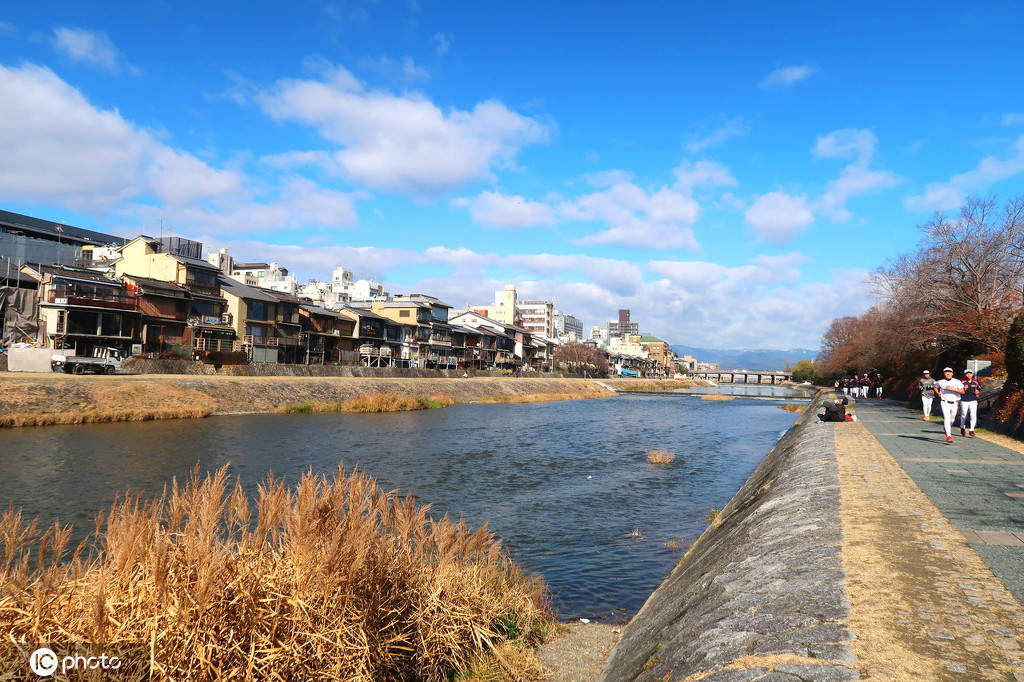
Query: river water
[562, 484]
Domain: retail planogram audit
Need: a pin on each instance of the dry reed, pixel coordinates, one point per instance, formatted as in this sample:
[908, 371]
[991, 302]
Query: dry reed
[539, 397]
[792, 407]
[332, 579]
[650, 386]
[374, 402]
[656, 457]
[716, 396]
[100, 416]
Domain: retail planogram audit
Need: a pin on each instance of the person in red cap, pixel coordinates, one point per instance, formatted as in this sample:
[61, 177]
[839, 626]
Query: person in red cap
[949, 391]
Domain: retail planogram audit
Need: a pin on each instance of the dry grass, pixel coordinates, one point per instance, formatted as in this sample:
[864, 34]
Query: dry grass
[651, 386]
[792, 407]
[657, 457]
[375, 402]
[100, 416]
[332, 579]
[716, 396]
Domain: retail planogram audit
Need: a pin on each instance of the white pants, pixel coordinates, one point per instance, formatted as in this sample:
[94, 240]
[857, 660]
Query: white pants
[949, 410]
[878, 391]
[926, 403]
[863, 391]
[846, 391]
[968, 407]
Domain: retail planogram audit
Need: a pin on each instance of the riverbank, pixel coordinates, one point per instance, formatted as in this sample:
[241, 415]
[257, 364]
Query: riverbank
[46, 399]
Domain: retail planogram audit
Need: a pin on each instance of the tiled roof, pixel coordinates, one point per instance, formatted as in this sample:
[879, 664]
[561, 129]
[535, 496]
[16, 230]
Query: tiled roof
[49, 228]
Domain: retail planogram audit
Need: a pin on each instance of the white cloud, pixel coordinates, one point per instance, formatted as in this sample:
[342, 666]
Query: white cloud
[403, 143]
[788, 76]
[59, 148]
[778, 217]
[734, 127]
[638, 219]
[950, 195]
[92, 47]
[852, 181]
[299, 159]
[504, 211]
[1013, 119]
[442, 43]
[691, 175]
[857, 145]
[608, 178]
[299, 204]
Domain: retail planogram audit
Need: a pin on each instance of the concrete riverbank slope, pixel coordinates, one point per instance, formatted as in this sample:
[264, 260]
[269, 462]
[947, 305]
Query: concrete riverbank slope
[40, 399]
[761, 591]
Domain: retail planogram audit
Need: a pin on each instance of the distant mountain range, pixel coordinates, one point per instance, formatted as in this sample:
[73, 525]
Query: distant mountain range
[747, 359]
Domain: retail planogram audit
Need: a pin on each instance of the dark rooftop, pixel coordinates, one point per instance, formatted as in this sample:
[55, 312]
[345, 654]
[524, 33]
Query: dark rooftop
[48, 229]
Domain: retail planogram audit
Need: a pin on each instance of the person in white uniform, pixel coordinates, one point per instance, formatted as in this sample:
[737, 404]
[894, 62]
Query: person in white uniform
[927, 387]
[969, 404]
[950, 391]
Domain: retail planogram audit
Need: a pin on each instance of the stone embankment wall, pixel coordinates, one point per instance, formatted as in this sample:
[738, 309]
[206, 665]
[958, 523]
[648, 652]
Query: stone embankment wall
[40, 399]
[761, 592]
[270, 369]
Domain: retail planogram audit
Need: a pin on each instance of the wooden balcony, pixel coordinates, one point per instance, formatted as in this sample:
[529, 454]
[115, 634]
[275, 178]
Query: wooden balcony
[92, 300]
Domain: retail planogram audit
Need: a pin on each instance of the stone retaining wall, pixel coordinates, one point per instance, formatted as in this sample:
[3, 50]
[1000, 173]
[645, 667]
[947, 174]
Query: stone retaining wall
[270, 369]
[763, 585]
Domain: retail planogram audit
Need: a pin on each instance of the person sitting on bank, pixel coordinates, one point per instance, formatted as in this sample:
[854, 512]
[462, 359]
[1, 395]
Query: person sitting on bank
[834, 412]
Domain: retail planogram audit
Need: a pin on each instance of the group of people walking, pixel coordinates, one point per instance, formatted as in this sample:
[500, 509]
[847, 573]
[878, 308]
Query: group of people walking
[857, 387]
[956, 397]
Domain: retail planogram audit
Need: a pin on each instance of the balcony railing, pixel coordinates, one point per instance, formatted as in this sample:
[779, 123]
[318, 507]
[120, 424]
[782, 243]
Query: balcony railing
[366, 350]
[92, 299]
[251, 340]
[208, 289]
[217, 345]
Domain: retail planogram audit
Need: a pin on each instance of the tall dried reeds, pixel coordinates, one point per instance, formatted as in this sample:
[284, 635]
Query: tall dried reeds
[374, 402]
[332, 579]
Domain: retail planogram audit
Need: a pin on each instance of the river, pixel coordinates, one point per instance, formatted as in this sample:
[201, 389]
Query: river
[562, 484]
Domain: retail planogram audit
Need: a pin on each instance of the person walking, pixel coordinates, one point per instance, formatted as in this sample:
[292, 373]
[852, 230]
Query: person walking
[949, 391]
[864, 383]
[927, 387]
[877, 383]
[969, 403]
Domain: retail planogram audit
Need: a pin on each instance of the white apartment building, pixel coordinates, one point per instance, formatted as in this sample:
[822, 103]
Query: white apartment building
[600, 335]
[538, 317]
[343, 288]
[266, 275]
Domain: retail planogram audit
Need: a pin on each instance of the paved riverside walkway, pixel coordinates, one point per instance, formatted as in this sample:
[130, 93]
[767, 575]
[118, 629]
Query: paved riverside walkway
[976, 484]
[931, 547]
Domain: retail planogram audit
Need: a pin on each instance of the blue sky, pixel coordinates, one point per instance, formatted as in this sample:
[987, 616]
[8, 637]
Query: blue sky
[731, 174]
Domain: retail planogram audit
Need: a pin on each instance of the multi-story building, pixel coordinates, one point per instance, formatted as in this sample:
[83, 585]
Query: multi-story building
[658, 350]
[178, 260]
[538, 317]
[164, 309]
[514, 344]
[567, 327]
[623, 326]
[439, 349]
[601, 336]
[504, 309]
[24, 239]
[83, 310]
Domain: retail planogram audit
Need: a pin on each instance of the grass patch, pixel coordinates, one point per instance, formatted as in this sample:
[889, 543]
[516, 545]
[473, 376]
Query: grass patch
[375, 402]
[715, 517]
[650, 386]
[331, 579]
[101, 416]
[659, 457]
[792, 407]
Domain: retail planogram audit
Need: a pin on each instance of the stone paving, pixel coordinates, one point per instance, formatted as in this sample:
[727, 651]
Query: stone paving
[977, 484]
[925, 604]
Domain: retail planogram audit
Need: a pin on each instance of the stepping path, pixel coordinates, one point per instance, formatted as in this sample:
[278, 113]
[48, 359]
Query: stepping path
[930, 548]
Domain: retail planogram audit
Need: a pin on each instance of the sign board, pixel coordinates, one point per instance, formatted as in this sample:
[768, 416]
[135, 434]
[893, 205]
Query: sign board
[136, 349]
[60, 301]
[981, 368]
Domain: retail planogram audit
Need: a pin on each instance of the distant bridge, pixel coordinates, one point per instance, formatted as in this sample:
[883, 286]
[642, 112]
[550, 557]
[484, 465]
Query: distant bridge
[743, 377]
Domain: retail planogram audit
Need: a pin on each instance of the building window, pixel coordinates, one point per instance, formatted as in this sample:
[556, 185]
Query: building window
[403, 313]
